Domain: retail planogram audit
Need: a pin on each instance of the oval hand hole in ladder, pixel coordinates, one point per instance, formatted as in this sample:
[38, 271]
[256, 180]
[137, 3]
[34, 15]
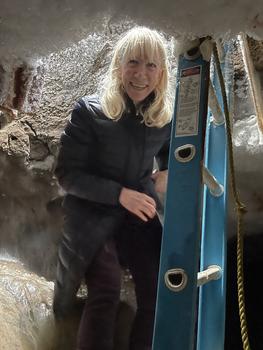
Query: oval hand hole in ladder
[175, 279]
[185, 153]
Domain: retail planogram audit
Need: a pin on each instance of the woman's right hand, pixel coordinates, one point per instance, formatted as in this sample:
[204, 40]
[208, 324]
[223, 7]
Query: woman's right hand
[140, 204]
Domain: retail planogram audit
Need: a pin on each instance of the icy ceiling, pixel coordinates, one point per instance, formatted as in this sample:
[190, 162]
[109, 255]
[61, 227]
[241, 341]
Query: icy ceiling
[36, 27]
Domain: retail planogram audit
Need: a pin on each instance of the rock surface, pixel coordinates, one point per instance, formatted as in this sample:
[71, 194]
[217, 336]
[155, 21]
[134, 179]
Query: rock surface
[25, 306]
[31, 217]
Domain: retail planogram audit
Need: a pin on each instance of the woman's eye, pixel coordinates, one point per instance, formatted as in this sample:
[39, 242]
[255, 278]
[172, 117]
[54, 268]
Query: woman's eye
[132, 61]
[151, 65]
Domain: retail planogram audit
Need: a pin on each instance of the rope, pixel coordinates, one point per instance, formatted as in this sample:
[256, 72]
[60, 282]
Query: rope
[241, 210]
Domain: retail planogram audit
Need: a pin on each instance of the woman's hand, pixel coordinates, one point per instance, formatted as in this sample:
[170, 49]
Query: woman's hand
[160, 181]
[138, 203]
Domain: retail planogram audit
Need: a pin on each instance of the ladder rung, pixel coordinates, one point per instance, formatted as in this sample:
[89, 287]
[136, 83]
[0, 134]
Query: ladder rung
[218, 117]
[215, 188]
[213, 272]
[176, 279]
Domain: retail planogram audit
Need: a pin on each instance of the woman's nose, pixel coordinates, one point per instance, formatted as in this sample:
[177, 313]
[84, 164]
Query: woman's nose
[140, 70]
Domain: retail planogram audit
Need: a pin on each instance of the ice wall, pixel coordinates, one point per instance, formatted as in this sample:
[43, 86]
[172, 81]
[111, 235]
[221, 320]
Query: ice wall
[36, 27]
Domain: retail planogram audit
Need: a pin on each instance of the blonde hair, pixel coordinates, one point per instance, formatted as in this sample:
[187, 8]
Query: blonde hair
[138, 42]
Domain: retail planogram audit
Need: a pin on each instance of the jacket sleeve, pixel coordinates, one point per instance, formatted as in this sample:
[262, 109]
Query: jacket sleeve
[162, 156]
[76, 161]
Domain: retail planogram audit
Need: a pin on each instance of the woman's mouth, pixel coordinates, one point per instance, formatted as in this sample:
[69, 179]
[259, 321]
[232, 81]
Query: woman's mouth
[138, 86]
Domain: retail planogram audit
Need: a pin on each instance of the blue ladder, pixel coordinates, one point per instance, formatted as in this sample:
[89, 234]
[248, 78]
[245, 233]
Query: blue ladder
[177, 319]
[211, 316]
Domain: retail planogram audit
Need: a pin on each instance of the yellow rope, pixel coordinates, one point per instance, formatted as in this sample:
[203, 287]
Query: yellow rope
[241, 210]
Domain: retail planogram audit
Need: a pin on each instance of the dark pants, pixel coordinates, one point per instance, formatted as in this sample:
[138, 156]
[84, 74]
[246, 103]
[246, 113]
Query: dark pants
[96, 329]
[139, 248]
[138, 244]
[85, 232]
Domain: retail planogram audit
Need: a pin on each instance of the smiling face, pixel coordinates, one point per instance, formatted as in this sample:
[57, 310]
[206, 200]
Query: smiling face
[140, 76]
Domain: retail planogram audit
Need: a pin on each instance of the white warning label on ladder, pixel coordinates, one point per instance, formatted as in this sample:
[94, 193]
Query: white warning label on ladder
[188, 102]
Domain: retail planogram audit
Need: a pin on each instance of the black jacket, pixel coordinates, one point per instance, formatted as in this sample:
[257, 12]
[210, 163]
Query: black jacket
[99, 156]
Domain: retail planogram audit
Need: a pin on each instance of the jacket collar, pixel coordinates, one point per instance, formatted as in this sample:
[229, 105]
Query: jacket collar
[132, 109]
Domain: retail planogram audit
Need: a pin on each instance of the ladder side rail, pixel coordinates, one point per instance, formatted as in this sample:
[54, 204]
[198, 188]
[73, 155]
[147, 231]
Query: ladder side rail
[212, 296]
[175, 319]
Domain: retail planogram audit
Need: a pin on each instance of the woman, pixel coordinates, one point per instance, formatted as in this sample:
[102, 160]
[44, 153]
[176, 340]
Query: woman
[105, 166]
